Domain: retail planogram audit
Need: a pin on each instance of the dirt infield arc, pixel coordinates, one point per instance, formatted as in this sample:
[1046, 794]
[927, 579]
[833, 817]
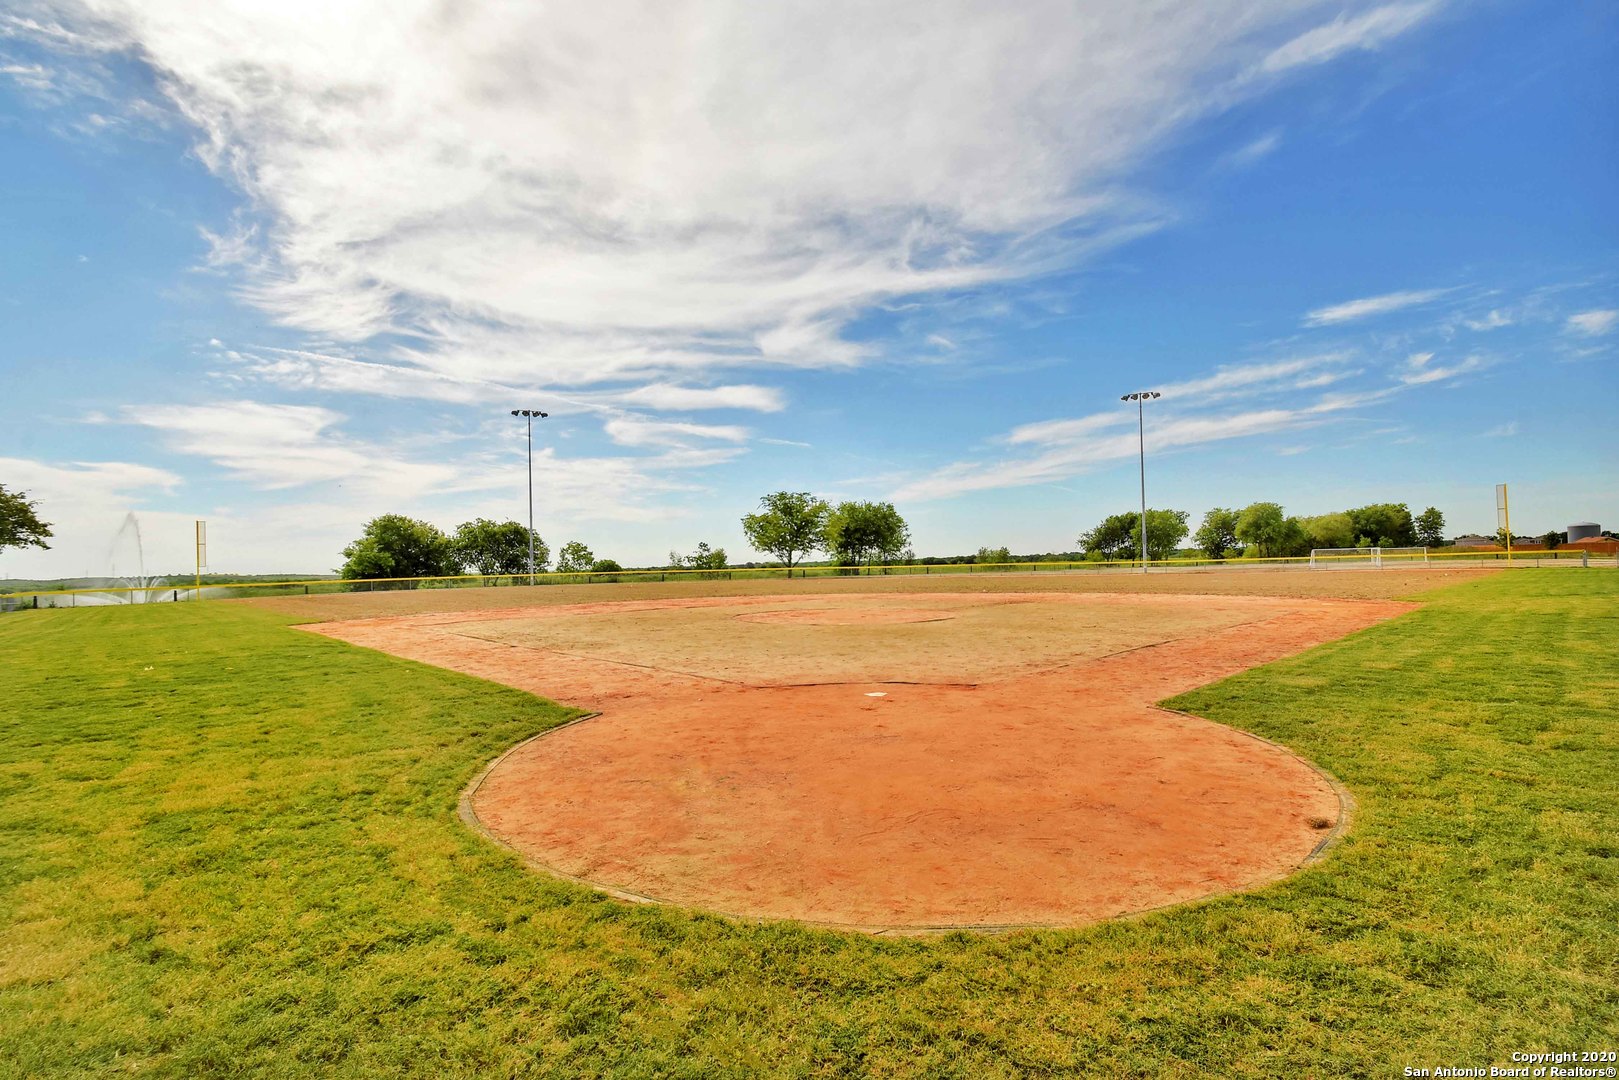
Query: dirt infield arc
[894, 762]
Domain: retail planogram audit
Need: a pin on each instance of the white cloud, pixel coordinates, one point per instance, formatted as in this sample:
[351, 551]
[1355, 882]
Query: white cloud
[1594, 323]
[283, 446]
[1493, 321]
[1345, 33]
[1503, 431]
[1418, 372]
[575, 195]
[1371, 305]
[1252, 152]
[639, 431]
[1071, 447]
[87, 481]
[1244, 379]
[686, 398]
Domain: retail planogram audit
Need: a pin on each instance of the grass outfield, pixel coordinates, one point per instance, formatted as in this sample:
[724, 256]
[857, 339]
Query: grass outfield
[227, 847]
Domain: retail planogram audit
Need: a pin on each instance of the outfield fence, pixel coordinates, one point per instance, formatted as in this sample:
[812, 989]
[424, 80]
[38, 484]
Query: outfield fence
[174, 592]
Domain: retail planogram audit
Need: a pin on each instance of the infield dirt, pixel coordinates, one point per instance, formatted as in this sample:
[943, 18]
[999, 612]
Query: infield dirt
[896, 762]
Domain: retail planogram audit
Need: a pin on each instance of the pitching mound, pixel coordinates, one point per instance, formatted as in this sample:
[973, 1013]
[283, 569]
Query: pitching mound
[997, 762]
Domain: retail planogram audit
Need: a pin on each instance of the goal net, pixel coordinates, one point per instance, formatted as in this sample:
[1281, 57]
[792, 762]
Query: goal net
[1335, 558]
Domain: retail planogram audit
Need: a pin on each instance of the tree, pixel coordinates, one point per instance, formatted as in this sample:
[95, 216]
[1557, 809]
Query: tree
[868, 532]
[704, 558]
[993, 555]
[1431, 528]
[1218, 533]
[1329, 530]
[574, 558]
[20, 526]
[1551, 540]
[1165, 531]
[498, 547]
[790, 525]
[395, 546]
[1271, 533]
[1117, 537]
[606, 566]
[1384, 524]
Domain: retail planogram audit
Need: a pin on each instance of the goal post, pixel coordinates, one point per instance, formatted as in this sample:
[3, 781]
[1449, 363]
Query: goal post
[1337, 558]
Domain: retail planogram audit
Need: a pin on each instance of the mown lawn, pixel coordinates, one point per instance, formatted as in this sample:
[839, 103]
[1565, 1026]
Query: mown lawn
[228, 847]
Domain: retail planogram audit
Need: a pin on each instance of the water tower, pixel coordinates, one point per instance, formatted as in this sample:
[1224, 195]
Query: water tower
[1583, 530]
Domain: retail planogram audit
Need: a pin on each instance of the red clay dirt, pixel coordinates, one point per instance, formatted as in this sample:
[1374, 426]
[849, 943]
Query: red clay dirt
[953, 760]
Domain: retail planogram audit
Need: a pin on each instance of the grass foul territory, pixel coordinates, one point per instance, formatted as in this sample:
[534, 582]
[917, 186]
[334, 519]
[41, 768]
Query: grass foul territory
[228, 847]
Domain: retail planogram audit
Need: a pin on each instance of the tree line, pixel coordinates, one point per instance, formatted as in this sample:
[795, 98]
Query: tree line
[1262, 530]
[396, 546]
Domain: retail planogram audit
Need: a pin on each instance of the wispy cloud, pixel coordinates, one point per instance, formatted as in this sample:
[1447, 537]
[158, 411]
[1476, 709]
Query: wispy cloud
[1068, 448]
[1243, 379]
[275, 446]
[1493, 321]
[81, 481]
[639, 431]
[1419, 372]
[518, 196]
[1251, 153]
[1347, 33]
[1503, 431]
[1370, 306]
[1594, 323]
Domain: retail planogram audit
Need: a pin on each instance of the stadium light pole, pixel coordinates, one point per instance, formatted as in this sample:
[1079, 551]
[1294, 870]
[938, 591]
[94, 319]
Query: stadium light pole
[1140, 398]
[528, 416]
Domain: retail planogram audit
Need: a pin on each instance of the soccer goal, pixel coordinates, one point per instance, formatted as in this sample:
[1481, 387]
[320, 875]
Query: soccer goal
[1338, 558]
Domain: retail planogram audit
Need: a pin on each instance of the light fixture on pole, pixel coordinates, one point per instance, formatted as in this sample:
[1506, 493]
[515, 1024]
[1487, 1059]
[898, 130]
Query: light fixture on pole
[1140, 398]
[528, 416]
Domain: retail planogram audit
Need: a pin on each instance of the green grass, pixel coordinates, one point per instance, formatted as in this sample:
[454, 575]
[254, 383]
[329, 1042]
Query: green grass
[228, 847]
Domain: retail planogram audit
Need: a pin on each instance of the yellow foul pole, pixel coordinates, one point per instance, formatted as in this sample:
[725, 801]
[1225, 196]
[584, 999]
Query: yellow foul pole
[202, 553]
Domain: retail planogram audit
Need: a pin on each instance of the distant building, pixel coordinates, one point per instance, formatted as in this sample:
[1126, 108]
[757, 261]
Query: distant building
[1596, 545]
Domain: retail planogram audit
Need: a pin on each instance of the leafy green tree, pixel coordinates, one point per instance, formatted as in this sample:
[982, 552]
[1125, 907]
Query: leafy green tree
[704, 558]
[1218, 533]
[20, 526]
[865, 532]
[993, 555]
[1329, 530]
[574, 558]
[789, 525]
[1551, 540]
[606, 566]
[1270, 533]
[1165, 531]
[1119, 536]
[498, 547]
[395, 546]
[1385, 524]
[1116, 537]
[1431, 528]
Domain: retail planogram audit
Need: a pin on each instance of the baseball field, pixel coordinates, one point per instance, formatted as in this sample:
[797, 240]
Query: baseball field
[1194, 824]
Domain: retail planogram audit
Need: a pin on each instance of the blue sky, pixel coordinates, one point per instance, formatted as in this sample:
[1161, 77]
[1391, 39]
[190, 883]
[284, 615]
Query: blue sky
[287, 269]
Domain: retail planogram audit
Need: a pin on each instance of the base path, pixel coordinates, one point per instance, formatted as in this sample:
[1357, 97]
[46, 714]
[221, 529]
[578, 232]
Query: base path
[894, 762]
